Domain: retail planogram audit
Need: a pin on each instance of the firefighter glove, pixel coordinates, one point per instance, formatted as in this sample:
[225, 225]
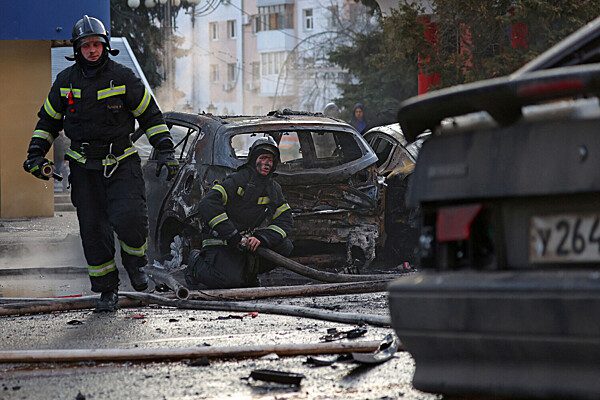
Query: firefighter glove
[234, 240]
[35, 166]
[166, 158]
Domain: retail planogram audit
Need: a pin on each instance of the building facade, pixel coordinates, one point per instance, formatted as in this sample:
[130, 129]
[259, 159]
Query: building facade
[248, 57]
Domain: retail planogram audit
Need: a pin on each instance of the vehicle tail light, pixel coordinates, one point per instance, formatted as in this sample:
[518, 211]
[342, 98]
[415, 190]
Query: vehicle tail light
[544, 89]
[454, 223]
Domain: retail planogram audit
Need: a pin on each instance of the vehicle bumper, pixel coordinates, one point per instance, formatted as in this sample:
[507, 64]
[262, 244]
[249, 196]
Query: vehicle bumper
[525, 334]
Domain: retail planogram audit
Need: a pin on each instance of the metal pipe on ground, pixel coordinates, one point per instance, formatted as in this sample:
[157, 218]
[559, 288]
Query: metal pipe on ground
[51, 305]
[319, 289]
[163, 277]
[106, 355]
[323, 289]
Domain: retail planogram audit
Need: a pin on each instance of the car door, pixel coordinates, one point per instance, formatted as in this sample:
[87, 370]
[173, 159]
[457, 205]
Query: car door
[383, 145]
[157, 187]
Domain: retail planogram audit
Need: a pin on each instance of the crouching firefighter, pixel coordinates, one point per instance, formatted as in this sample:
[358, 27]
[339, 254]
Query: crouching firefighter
[245, 211]
[96, 102]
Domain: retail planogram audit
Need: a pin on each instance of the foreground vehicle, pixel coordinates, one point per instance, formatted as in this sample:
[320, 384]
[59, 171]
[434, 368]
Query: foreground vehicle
[508, 301]
[327, 174]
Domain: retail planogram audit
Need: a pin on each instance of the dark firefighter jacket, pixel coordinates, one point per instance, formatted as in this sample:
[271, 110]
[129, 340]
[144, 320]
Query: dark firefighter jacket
[246, 200]
[98, 111]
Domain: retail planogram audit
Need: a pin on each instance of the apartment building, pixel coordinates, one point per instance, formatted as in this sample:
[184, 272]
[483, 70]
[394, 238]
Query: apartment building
[253, 56]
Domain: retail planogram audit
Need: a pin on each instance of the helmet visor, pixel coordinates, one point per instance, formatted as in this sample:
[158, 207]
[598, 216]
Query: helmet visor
[92, 37]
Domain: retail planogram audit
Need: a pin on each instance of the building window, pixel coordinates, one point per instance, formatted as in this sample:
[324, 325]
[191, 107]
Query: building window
[231, 72]
[214, 73]
[307, 15]
[213, 30]
[271, 63]
[231, 34]
[271, 18]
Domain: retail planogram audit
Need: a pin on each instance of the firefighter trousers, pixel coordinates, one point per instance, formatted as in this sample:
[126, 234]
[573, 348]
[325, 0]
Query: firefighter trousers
[224, 267]
[106, 206]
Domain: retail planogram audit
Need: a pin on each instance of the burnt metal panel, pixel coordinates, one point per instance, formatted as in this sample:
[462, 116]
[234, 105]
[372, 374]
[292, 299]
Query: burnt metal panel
[558, 157]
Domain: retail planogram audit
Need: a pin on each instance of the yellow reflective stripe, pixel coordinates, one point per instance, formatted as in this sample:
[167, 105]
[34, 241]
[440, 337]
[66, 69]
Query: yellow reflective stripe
[156, 129]
[213, 242]
[112, 91]
[240, 191]
[281, 209]
[129, 151]
[134, 251]
[143, 104]
[218, 219]
[76, 156]
[50, 110]
[38, 133]
[263, 200]
[64, 92]
[102, 269]
[277, 229]
[223, 192]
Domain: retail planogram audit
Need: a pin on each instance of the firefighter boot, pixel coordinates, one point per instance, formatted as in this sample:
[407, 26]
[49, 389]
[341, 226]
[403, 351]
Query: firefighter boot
[109, 301]
[138, 278]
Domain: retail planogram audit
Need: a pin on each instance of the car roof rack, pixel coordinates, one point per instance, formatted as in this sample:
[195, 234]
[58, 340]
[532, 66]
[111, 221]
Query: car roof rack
[288, 112]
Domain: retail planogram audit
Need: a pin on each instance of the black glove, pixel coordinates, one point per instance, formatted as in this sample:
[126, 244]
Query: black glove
[34, 165]
[166, 158]
[234, 240]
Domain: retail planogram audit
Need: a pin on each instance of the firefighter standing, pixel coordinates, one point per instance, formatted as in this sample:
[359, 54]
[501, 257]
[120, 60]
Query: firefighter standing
[96, 102]
[247, 202]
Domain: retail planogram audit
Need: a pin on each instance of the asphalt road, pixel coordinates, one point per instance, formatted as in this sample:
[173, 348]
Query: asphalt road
[174, 328]
[42, 258]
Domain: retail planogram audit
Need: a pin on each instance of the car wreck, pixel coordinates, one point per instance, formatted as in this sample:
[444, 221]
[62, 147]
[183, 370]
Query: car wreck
[327, 172]
[395, 166]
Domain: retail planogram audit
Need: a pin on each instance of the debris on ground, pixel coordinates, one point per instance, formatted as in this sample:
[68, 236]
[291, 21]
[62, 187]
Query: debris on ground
[333, 334]
[320, 361]
[389, 346]
[199, 362]
[283, 377]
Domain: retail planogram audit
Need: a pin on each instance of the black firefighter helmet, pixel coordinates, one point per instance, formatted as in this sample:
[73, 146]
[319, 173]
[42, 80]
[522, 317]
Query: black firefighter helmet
[264, 145]
[90, 26]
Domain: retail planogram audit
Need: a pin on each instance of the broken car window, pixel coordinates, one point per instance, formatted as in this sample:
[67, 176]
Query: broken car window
[183, 138]
[305, 149]
[241, 143]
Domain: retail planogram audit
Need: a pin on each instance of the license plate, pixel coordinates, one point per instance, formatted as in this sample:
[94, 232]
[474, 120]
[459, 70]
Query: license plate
[564, 238]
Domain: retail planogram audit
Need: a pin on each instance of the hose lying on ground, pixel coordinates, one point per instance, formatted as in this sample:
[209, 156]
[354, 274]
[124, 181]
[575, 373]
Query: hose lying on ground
[280, 309]
[138, 299]
[312, 273]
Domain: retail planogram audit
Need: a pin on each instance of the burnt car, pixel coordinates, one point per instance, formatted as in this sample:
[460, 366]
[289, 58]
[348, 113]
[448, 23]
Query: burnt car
[395, 164]
[327, 173]
[508, 184]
